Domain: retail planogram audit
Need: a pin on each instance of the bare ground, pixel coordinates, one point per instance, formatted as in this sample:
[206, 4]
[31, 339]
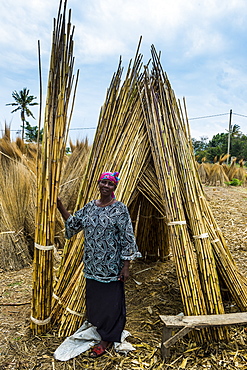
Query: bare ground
[151, 291]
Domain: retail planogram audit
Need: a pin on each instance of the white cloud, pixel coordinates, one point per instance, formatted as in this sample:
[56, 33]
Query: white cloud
[202, 43]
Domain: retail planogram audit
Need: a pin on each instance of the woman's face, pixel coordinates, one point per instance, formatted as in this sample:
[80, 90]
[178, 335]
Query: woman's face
[106, 187]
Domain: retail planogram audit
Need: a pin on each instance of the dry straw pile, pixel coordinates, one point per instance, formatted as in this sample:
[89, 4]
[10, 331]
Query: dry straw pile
[17, 198]
[219, 173]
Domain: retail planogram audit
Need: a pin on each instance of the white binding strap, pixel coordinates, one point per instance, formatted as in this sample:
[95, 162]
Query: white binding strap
[202, 236]
[44, 247]
[74, 312]
[176, 223]
[40, 322]
[7, 232]
[57, 298]
[215, 240]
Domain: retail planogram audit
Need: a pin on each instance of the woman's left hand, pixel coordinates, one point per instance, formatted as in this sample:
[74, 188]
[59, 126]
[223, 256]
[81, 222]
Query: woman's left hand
[124, 274]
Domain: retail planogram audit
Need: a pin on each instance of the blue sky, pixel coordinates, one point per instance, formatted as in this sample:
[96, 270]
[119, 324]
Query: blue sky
[203, 46]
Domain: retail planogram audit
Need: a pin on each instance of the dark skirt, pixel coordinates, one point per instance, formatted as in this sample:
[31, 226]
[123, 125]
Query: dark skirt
[105, 304]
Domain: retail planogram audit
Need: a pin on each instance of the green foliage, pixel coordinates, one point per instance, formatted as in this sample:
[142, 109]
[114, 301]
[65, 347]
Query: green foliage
[234, 182]
[219, 143]
[31, 133]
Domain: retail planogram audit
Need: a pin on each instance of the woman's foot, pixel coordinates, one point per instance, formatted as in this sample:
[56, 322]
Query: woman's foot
[100, 349]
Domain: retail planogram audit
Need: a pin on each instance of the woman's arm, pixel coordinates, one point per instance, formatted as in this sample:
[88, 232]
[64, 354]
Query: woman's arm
[65, 214]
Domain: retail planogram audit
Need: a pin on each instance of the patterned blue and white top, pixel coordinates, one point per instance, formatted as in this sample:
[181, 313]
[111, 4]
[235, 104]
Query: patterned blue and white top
[109, 239]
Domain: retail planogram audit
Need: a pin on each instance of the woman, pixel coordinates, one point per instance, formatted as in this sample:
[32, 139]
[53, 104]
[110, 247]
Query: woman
[109, 246]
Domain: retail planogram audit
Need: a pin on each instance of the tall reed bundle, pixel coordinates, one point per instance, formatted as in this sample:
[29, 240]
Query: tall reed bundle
[56, 125]
[158, 111]
[235, 282]
[182, 180]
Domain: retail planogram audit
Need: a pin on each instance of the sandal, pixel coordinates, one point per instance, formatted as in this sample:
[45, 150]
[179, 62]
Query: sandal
[99, 350]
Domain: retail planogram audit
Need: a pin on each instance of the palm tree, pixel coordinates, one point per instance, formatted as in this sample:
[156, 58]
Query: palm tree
[22, 101]
[235, 131]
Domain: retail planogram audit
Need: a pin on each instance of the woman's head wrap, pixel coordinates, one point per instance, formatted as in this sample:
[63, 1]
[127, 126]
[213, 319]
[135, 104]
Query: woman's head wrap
[110, 176]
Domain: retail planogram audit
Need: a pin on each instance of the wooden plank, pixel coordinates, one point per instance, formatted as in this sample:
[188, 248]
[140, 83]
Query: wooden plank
[165, 351]
[180, 334]
[205, 320]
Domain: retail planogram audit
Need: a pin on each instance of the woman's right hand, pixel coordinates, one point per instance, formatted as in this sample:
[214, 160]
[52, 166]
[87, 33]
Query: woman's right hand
[65, 214]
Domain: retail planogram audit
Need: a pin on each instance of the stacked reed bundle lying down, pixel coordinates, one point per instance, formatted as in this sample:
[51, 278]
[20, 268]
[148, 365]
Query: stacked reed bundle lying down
[56, 125]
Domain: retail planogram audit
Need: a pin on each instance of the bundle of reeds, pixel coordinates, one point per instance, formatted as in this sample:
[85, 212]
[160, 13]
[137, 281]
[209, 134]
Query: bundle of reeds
[14, 204]
[179, 179]
[230, 170]
[56, 125]
[158, 124]
[17, 186]
[218, 176]
[120, 144]
[240, 173]
[151, 231]
[204, 170]
[72, 174]
[142, 133]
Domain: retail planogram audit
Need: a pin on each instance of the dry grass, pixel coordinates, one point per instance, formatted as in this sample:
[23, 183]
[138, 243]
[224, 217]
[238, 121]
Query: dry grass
[17, 185]
[204, 170]
[217, 176]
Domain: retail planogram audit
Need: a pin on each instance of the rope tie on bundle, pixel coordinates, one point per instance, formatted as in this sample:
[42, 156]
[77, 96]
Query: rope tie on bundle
[44, 247]
[201, 236]
[57, 298]
[176, 223]
[40, 322]
[74, 312]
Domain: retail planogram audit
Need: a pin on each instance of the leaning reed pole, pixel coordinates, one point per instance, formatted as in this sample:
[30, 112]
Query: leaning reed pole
[56, 125]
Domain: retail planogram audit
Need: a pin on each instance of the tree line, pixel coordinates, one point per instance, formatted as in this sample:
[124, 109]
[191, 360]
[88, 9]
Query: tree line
[218, 145]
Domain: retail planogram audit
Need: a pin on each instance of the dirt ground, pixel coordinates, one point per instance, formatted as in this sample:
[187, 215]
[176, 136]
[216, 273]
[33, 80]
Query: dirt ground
[152, 290]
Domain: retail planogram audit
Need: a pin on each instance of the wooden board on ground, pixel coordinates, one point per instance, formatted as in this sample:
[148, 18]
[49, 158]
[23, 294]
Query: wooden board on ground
[187, 323]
